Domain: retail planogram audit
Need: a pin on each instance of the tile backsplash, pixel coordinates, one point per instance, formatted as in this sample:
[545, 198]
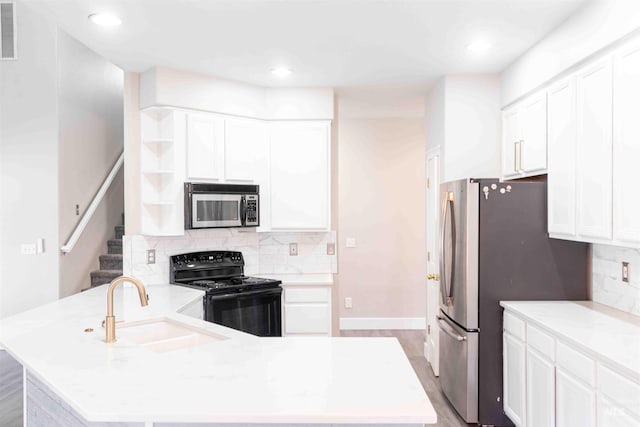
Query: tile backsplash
[608, 287]
[264, 253]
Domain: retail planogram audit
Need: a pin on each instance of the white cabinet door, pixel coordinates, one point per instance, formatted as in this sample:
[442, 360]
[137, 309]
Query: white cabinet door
[561, 185]
[626, 144]
[205, 145]
[514, 379]
[594, 150]
[540, 390]
[307, 318]
[534, 133]
[613, 415]
[511, 139]
[245, 149]
[300, 176]
[575, 402]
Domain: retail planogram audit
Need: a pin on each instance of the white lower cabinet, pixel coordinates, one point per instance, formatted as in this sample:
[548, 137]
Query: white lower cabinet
[575, 401]
[307, 310]
[549, 383]
[514, 377]
[541, 405]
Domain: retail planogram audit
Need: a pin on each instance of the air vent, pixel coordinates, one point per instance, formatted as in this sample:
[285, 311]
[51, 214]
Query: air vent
[8, 45]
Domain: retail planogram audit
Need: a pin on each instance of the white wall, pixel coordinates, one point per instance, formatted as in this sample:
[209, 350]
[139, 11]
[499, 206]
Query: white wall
[381, 204]
[593, 27]
[184, 89]
[462, 117]
[29, 166]
[90, 117]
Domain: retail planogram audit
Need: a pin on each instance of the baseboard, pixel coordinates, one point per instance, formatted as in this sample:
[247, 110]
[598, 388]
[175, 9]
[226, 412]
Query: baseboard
[362, 323]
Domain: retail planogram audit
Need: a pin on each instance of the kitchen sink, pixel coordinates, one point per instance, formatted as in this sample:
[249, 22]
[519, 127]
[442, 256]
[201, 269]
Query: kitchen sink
[164, 334]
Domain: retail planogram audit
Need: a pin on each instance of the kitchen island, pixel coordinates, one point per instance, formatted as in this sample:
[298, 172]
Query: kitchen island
[73, 377]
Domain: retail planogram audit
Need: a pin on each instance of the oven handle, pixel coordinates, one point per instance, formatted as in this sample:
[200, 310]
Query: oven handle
[243, 295]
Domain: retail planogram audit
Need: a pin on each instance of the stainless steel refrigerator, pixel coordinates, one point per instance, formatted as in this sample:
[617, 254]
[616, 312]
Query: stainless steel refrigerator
[494, 246]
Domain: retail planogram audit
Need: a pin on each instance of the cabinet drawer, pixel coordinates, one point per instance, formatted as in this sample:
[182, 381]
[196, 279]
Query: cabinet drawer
[619, 389]
[541, 341]
[581, 366]
[514, 325]
[306, 295]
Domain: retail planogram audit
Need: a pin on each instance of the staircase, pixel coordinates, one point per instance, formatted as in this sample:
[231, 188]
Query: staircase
[111, 263]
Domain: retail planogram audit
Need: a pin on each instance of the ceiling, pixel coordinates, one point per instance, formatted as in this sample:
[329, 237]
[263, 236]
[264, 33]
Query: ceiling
[337, 43]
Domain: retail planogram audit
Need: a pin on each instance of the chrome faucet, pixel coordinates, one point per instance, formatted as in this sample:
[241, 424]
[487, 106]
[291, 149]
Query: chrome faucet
[110, 321]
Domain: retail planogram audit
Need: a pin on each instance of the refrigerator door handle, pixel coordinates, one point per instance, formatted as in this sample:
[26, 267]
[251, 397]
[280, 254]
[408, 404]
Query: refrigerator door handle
[444, 327]
[447, 280]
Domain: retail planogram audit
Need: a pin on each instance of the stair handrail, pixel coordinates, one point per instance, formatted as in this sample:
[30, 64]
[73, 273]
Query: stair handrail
[97, 199]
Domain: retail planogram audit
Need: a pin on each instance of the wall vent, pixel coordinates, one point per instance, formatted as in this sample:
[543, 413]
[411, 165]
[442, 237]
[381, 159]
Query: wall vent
[8, 32]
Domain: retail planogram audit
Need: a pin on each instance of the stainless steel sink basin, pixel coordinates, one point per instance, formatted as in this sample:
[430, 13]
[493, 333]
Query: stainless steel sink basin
[164, 334]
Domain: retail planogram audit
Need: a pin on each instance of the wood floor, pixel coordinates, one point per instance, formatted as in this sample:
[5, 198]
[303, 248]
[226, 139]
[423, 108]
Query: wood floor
[412, 343]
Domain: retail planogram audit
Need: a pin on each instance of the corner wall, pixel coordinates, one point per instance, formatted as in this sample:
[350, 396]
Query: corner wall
[90, 118]
[29, 166]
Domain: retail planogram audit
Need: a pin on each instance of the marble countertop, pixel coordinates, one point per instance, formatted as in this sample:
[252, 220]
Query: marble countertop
[606, 334]
[244, 379]
[301, 279]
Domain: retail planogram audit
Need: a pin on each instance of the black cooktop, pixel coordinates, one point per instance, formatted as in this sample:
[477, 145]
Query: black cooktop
[215, 272]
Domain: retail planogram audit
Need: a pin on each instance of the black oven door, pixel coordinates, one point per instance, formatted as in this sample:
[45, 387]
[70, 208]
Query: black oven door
[256, 312]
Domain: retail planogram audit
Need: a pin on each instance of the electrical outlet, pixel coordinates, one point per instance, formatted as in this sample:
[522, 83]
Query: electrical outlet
[28, 249]
[151, 256]
[348, 302]
[331, 248]
[625, 272]
[350, 242]
[77, 210]
[293, 249]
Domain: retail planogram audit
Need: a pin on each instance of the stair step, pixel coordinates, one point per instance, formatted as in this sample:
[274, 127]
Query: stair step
[114, 246]
[101, 277]
[111, 262]
[119, 231]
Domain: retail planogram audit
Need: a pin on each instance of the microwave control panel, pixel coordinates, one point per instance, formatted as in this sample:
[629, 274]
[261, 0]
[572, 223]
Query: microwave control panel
[251, 210]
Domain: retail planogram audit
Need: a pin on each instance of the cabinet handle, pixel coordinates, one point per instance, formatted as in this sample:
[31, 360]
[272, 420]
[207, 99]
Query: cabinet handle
[521, 142]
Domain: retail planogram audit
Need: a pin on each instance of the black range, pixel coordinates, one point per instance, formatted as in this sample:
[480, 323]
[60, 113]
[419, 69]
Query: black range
[248, 304]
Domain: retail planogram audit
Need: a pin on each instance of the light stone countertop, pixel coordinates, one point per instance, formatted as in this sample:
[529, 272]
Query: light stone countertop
[606, 334]
[244, 379]
[302, 279]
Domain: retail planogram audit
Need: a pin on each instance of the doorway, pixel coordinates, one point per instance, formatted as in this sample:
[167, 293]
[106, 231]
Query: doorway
[433, 265]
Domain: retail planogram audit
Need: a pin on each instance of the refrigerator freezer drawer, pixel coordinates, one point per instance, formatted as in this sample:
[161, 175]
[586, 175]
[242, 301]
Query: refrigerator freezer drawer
[459, 372]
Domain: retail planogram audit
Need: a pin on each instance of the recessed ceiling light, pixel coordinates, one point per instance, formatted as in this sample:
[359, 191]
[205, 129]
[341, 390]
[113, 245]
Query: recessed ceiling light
[105, 19]
[281, 71]
[479, 46]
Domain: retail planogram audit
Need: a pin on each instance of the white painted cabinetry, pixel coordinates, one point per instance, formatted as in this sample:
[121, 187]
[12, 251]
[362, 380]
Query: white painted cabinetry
[307, 310]
[524, 138]
[300, 175]
[245, 149]
[594, 93]
[562, 158]
[205, 147]
[626, 143]
[592, 184]
[514, 379]
[548, 382]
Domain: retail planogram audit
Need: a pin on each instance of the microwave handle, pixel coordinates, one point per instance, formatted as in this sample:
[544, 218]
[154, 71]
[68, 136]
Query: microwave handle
[243, 210]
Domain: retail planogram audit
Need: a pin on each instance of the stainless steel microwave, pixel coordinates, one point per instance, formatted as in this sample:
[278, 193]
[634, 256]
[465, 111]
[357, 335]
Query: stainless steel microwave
[221, 205]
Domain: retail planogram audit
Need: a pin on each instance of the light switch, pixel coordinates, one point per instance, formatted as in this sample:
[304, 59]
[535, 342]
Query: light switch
[331, 248]
[351, 242]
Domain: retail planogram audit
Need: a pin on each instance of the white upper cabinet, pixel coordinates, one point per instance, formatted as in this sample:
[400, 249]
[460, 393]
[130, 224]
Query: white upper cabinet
[205, 145]
[245, 149]
[300, 175]
[594, 92]
[626, 144]
[524, 138]
[562, 157]
[511, 139]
